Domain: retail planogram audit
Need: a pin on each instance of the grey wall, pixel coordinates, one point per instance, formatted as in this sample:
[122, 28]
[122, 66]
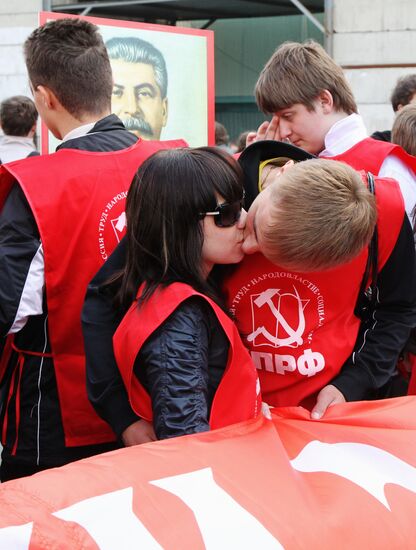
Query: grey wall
[375, 42]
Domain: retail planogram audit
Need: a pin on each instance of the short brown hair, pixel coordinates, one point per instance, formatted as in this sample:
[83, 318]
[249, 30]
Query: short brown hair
[18, 114]
[298, 73]
[322, 216]
[69, 57]
[404, 129]
[403, 92]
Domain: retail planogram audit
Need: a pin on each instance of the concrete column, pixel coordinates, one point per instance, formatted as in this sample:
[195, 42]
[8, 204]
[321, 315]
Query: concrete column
[17, 20]
[375, 42]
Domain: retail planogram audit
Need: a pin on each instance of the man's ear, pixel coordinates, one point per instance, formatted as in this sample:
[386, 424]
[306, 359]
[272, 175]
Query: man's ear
[326, 101]
[165, 111]
[287, 166]
[32, 131]
[47, 98]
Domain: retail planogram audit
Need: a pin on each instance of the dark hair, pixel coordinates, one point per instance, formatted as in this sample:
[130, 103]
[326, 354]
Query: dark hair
[18, 114]
[69, 57]
[136, 50]
[403, 92]
[164, 233]
[241, 140]
[221, 134]
[404, 129]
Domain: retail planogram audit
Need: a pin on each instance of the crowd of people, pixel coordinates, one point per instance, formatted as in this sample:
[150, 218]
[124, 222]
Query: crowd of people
[280, 276]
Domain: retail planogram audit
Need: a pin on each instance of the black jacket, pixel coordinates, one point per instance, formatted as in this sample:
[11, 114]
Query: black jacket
[40, 431]
[181, 366]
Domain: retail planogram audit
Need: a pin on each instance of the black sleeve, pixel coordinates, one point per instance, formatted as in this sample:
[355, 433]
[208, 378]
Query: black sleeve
[100, 320]
[381, 339]
[174, 361]
[19, 242]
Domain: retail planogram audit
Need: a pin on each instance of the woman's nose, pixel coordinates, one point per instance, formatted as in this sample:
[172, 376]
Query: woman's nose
[243, 218]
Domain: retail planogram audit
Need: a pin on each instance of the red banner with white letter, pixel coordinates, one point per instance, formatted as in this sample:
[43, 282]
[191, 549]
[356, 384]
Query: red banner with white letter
[346, 481]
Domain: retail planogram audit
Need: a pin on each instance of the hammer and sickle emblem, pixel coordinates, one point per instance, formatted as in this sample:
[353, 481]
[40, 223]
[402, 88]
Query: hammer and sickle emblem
[294, 335]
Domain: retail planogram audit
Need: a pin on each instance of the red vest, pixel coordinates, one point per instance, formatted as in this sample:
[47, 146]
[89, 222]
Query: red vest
[369, 154]
[301, 327]
[238, 395]
[78, 201]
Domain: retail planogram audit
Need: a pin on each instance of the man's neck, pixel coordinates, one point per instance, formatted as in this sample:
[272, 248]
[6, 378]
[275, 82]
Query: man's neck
[346, 132]
[68, 123]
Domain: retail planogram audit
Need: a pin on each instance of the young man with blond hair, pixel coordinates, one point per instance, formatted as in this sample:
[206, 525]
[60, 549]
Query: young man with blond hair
[319, 216]
[297, 312]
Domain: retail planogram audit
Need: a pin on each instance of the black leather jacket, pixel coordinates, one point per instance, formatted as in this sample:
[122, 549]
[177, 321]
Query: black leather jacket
[181, 366]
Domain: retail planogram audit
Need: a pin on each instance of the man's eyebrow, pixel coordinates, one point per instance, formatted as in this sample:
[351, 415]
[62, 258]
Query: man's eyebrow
[145, 85]
[118, 85]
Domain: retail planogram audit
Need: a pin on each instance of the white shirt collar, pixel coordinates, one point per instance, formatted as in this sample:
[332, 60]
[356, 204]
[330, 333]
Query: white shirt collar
[79, 131]
[343, 135]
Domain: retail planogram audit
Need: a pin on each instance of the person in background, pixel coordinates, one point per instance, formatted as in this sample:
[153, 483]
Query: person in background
[404, 93]
[18, 118]
[313, 107]
[241, 141]
[404, 129]
[222, 139]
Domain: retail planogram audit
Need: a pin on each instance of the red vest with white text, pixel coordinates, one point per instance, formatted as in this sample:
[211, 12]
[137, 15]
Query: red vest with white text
[237, 397]
[301, 327]
[369, 154]
[78, 201]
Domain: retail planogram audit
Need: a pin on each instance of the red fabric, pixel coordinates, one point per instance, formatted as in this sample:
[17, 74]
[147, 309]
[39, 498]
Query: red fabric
[77, 198]
[411, 360]
[347, 481]
[301, 327]
[369, 154]
[237, 397]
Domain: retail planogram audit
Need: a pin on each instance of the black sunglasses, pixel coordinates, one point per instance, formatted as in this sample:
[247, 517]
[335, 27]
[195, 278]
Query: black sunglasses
[226, 214]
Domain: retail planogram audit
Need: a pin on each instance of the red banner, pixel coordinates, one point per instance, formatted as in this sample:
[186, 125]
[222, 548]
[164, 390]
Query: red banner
[346, 481]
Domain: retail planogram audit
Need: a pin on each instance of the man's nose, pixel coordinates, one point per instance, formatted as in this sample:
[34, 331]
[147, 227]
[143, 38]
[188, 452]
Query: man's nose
[130, 105]
[250, 244]
[285, 129]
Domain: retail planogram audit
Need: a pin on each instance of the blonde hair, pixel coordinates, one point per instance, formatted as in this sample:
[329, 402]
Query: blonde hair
[322, 215]
[404, 129]
[298, 73]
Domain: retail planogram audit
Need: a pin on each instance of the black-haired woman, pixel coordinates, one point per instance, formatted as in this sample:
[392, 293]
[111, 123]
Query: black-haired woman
[178, 351]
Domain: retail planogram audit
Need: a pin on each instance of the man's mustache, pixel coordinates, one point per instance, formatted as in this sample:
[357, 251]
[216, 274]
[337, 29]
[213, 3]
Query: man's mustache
[137, 123]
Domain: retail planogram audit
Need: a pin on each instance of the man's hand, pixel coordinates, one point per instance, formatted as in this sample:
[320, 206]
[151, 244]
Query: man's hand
[266, 130]
[328, 396]
[137, 433]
